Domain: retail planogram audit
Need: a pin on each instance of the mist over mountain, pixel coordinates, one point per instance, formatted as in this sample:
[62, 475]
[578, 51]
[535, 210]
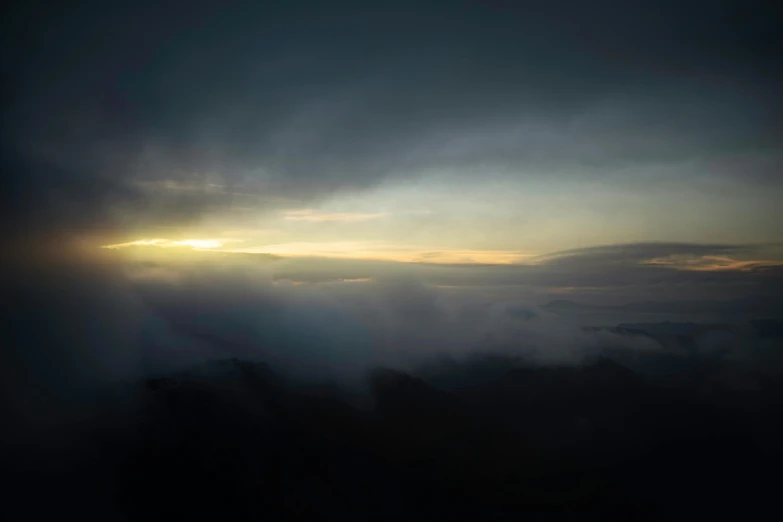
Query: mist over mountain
[490, 436]
[213, 389]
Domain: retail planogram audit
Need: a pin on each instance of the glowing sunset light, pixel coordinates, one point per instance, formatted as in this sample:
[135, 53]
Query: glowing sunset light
[196, 244]
[199, 243]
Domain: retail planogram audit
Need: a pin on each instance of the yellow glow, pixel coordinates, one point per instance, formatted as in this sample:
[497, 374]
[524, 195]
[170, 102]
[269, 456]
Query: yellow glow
[381, 251]
[711, 263]
[197, 244]
[256, 241]
[140, 242]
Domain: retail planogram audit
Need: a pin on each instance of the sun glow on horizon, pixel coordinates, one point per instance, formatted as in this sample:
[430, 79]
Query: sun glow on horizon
[359, 250]
[199, 243]
[383, 251]
[389, 251]
[196, 244]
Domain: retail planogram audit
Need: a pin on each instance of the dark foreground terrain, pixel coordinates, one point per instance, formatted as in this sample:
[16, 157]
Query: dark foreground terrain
[491, 438]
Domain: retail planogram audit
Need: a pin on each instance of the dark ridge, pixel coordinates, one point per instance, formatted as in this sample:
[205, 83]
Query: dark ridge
[233, 440]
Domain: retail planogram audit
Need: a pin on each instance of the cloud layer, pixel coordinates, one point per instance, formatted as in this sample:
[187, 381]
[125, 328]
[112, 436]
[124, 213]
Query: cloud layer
[283, 105]
[85, 323]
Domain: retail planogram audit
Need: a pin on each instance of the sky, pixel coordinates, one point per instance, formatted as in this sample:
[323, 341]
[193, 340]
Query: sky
[604, 148]
[466, 131]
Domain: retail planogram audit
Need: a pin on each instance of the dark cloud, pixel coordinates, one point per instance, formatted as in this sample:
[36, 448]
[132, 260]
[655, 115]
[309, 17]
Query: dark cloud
[80, 333]
[80, 326]
[123, 318]
[77, 328]
[302, 101]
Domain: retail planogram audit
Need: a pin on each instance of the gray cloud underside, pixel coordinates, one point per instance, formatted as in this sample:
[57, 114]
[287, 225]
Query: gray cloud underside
[299, 103]
[79, 326]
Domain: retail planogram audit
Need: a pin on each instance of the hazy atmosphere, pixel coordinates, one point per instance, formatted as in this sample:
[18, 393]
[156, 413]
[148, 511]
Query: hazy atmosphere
[556, 221]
